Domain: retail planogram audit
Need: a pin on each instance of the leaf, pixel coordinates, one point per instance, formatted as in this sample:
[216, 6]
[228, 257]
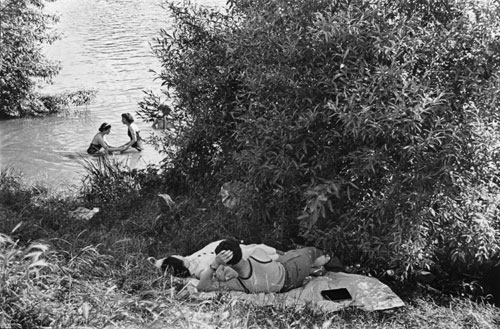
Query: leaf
[38, 263]
[16, 227]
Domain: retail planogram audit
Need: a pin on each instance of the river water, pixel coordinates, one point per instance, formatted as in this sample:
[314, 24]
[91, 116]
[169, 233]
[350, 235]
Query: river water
[105, 46]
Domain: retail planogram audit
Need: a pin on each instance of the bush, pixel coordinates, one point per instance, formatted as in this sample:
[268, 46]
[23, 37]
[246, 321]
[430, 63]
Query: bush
[355, 126]
[25, 29]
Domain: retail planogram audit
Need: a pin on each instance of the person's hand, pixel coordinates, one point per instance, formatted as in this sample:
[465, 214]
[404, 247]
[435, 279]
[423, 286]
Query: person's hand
[225, 273]
[219, 274]
[223, 257]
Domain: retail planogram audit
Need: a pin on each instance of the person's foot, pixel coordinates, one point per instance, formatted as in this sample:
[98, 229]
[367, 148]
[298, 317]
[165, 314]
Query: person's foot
[321, 260]
[320, 271]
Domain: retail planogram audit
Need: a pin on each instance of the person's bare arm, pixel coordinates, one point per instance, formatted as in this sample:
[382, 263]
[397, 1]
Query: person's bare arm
[205, 280]
[230, 285]
[225, 273]
[205, 283]
[104, 143]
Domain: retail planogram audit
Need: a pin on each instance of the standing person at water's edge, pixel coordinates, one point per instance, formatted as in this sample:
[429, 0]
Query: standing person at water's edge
[99, 141]
[133, 132]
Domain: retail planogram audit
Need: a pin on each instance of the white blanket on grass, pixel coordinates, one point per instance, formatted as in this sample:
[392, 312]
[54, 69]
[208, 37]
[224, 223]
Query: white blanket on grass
[367, 293]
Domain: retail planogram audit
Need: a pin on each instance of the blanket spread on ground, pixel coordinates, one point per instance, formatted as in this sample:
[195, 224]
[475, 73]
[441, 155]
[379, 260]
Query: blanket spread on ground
[367, 293]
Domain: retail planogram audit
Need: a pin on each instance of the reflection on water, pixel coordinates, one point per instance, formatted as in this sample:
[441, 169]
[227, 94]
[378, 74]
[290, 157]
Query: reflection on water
[104, 46]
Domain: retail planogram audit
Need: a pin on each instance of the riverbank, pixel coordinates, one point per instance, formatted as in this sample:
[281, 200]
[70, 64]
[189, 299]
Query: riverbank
[62, 271]
[147, 300]
[104, 52]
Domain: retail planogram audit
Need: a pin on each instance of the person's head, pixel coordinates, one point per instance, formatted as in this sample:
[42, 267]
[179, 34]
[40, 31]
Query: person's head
[127, 118]
[231, 245]
[175, 265]
[105, 128]
[163, 110]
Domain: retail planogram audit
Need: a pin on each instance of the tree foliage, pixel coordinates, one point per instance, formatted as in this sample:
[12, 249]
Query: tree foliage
[25, 30]
[367, 128]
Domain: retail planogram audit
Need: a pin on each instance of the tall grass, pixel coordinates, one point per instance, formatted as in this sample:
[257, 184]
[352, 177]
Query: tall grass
[24, 272]
[108, 180]
[40, 288]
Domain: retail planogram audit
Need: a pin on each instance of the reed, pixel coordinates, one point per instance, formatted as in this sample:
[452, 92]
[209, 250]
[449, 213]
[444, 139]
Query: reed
[107, 180]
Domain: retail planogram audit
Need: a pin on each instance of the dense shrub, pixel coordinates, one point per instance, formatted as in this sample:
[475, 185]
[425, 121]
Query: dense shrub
[25, 29]
[364, 128]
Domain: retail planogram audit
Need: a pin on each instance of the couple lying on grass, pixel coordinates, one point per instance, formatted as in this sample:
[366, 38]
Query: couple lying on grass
[248, 268]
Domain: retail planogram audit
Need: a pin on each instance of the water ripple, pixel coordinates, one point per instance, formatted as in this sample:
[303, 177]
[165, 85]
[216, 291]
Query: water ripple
[105, 45]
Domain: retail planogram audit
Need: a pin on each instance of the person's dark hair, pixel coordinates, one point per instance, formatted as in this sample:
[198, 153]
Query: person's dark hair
[128, 117]
[104, 126]
[232, 245]
[175, 266]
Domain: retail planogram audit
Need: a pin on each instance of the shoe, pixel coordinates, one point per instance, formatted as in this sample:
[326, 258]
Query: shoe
[334, 265]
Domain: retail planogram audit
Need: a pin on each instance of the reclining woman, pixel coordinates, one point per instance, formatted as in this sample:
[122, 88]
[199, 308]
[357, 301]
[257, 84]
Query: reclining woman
[100, 142]
[260, 273]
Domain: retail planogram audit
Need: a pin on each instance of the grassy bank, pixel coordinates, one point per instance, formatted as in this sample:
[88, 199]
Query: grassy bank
[90, 289]
[59, 271]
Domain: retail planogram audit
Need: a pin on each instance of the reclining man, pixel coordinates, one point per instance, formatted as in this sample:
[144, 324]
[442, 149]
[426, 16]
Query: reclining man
[260, 273]
[195, 264]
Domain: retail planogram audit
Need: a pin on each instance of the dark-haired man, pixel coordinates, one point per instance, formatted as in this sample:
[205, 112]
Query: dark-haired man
[260, 273]
[195, 264]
